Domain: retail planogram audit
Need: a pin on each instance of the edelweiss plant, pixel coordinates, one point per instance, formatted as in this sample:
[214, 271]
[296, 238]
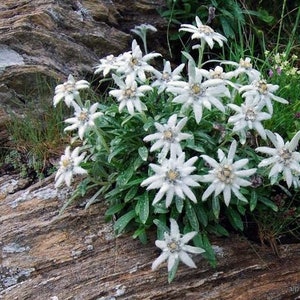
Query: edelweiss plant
[169, 147]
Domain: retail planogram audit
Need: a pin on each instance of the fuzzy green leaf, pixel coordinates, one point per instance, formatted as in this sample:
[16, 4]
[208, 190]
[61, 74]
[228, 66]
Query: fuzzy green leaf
[123, 221]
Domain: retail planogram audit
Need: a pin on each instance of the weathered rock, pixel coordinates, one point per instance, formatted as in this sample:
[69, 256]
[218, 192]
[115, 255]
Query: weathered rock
[77, 256]
[55, 38]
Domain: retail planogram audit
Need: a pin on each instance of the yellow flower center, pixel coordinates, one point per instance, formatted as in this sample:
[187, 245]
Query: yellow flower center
[225, 174]
[129, 92]
[168, 135]
[134, 62]
[217, 73]
[250, 115]
[83, 116]
[174, 246]
[285, 155]
[262, 87]
[66, 162]
[206, 29]
[245, 64]
[172, 175]
[196, 89]
[69, 87]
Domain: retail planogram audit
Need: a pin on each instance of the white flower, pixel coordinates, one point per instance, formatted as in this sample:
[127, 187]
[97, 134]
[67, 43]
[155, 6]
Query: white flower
[264, 92]
[129, 94]
[174, 248]
[225, 176]
[204, 33]
[245, 67]
[84, 119]
[198, 94]
[248, 116]
[168, 137]
[172, 178]
[69, 166]
[69, 91]
[162, 79]
[134, 63]
[284, 159]
[107, 64]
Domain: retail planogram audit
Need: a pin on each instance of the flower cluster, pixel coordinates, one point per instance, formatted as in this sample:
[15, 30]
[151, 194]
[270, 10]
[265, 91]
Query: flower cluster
[156, 152]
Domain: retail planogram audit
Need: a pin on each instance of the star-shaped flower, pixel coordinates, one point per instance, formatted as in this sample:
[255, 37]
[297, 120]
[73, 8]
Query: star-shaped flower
[84, 119]
[168, 137]
[204, 33]
[284, 159]
[69, 166]
[226, 176]
[248, 116]
[129, 94]
[264, 92]
[173, 177]
[69, 91]
[174, 248]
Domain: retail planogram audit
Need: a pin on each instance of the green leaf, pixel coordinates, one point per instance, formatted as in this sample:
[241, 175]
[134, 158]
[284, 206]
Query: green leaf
[114, 209]
[125, 176]
[216, 207]
[179, 204]
[123, 221]
[201, 214]
[268, 203]
[161, 226]
[143, 152]
[235, 219]
[191, 215]
[253, 200]
[172, 273]
[143, 208]
[141, 234]
[131, 193]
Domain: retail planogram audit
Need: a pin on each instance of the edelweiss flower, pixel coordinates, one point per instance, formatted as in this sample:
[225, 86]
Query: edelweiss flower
[225, 176]
[264, 92]
[248, 117]
[204, 33]
[197, 94]
[68, 166]
[162, 79]
[107, 64]
[245, 67]
[84, 119]
[174, 248]
[69, 91]
[133, 63]
[168, 137]
[283, 158]
[129, 94]
[172, 178]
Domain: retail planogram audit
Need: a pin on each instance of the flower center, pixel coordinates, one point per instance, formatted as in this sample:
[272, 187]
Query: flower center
[196, 89]
[69, 87]
[66, 162]
[165, 76]
[262, 87]
[225, 174]
[129, 92]
[168, 135]
[245, 64]
[83, 116]
[285, 155]
[174, 246]
[206, 29]
[134, 61]
[172, 175]
[250, 115]
[217, 73]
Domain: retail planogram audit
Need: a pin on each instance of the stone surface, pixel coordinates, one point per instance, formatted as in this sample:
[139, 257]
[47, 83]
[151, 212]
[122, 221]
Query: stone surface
[76, 255]
[43, 41]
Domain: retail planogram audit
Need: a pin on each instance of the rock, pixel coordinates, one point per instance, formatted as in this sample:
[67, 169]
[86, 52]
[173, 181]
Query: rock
[76, 255]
